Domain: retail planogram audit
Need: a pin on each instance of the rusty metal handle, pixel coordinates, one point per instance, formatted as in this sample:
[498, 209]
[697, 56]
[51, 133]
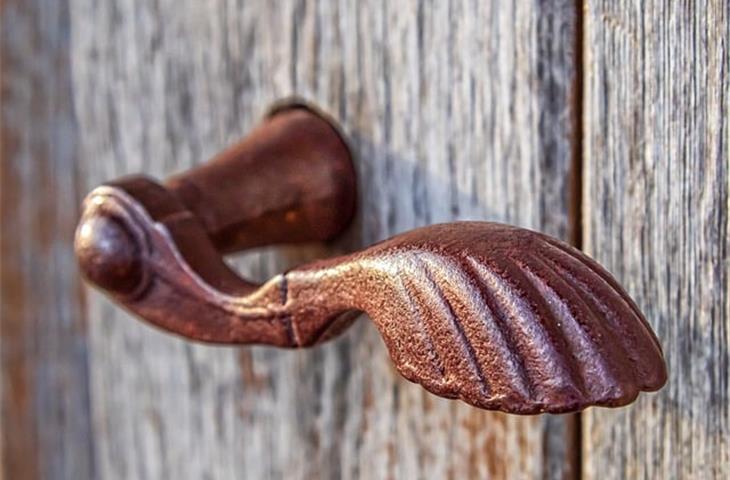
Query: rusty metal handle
[501, 317]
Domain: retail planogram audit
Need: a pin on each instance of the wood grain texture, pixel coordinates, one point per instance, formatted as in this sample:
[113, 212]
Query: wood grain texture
[45, 422]
[456, 110]
[656, 213]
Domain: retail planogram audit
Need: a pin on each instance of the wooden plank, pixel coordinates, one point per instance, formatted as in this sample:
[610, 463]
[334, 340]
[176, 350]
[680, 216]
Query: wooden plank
[656, 214]
[456, 110]
[45, 421]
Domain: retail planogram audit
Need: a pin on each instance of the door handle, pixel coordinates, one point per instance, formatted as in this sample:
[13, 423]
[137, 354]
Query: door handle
[498, 316]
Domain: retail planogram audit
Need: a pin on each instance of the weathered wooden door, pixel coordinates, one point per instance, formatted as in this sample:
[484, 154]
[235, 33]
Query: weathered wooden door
[604, 123]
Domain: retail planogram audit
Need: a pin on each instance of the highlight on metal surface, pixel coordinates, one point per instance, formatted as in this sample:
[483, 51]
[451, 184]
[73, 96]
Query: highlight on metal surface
[500, 317]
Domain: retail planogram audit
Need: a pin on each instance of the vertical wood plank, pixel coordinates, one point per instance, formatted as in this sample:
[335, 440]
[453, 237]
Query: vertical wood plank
[45, 420]
[456, 110]
[656, 214]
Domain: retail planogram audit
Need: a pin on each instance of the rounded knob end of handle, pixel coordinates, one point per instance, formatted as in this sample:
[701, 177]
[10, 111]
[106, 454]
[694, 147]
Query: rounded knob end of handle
[108, 254]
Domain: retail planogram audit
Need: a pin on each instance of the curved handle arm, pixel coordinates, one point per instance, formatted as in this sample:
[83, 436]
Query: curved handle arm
[501, 317]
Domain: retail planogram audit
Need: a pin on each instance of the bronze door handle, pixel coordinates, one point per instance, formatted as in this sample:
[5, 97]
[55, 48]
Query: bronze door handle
[501, 317]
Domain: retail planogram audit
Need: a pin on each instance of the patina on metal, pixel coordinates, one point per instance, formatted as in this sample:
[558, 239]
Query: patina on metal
[500, 317]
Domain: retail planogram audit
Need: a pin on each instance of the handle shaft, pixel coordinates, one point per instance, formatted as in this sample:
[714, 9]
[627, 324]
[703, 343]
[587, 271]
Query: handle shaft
[290, 180]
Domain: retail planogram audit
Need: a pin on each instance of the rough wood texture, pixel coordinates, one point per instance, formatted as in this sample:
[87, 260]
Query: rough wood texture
[456, 110]
[45, 421]
[656, 213]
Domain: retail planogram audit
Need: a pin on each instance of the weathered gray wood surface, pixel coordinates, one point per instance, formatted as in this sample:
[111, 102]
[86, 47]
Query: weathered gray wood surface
[656, 163]
[456, 110]
[45, 419]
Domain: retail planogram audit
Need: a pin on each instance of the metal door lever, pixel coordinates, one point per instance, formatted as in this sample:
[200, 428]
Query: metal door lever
[501, 317]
